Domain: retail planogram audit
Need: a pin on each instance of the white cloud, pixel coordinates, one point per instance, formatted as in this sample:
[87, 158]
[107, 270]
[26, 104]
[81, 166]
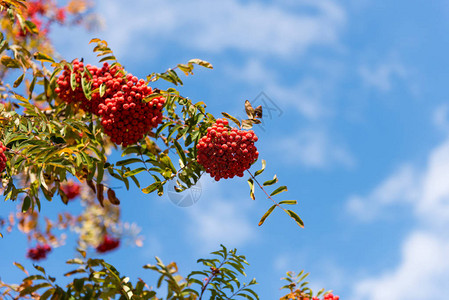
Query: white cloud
[422, 274]
[434, 200]
[305, 96]
[381, 76]
[315, 149]
[217, 26]
[423, 271]
[427, 190]
[441, 117]
[400, 187]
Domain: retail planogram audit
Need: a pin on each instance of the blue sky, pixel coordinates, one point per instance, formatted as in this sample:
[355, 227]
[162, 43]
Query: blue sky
[361, 138]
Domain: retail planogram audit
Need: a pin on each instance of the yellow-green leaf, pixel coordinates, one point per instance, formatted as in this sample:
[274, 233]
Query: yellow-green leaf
[289, 202]
[251, 186]
[235, 120]
[271, 182]
[296, 218]
[43, 57]
[279, 190]
[265, 216]
[264, 164]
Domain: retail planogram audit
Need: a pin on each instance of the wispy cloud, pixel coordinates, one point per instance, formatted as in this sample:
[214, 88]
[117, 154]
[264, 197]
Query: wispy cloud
[259, 28]
[423, 270]
[399, 187]
[383, 75]
[422, 273]
[314, 148]
[425, 189]
[441, 117]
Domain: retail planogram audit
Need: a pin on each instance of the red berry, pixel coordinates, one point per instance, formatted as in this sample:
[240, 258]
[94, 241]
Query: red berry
[2, 157]
[108, 244]
[39, 252]
[71, 189]
[224, 152]
[126, 110]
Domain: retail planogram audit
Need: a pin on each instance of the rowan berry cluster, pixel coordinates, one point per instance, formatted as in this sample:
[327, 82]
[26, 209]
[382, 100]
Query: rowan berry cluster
[39, 252]
[226, 152]
[2, 157]
[329, 296]
[125, 117]
[71, 190]
[43, 14]
[108, 244]
[111, 77]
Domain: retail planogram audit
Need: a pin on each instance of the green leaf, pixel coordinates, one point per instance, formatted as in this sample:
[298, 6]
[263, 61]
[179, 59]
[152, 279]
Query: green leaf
[279, 190]
[18, 80]
[100, 171]
[134, 172]
[26, 203]
[111, 57]
[20, 267]
[43, 57]
[151, 188]
[265, 216]
[271, 182]
[9, 62]
[235, 120]
[251, 186]
[289, 202]
[47, 294]
[128, 161]
[72, 81]
[102, 89]
[29, 290]
[264, 163]
[180, 151]
[296, 218]
[32, 84]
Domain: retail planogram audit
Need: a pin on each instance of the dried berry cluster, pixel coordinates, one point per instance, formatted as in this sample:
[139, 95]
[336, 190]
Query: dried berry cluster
[125, 117]
[226, 152]
[71, 190]
[39, 252]
[108, 244]
[2, 157]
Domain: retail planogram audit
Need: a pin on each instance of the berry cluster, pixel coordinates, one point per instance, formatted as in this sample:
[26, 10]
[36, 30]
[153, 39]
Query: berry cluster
[125, 117]
[108, 244]
[226, 152]
[71, 190]
[2, 157]
[43, 14]
[39, 252]
[111, 77]
[329, 296]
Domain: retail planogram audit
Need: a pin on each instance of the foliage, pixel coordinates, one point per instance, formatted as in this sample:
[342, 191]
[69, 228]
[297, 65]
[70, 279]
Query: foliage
[54, 147]
[97, 279]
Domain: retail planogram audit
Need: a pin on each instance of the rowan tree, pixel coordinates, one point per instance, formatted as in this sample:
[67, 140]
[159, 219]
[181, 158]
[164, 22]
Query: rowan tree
[59, 121]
